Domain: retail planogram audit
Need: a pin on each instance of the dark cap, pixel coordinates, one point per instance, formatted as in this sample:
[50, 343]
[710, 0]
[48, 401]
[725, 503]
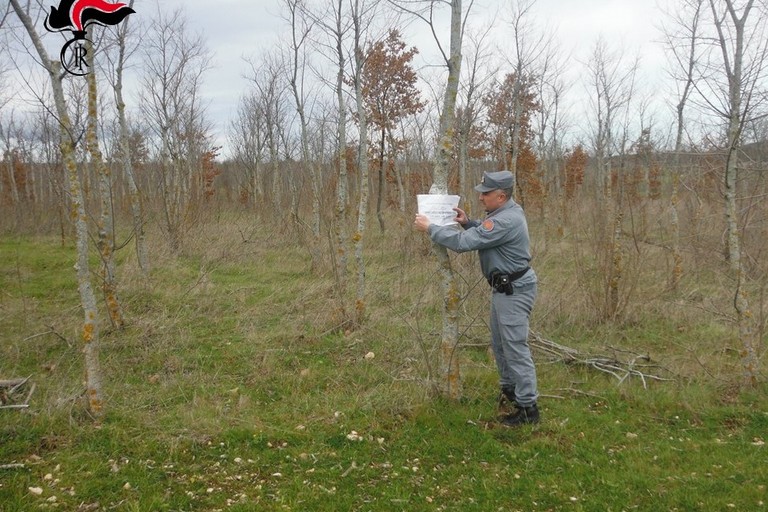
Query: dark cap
[496, 180]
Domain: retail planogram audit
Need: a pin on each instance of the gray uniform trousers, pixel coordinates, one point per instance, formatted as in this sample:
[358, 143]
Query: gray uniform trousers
[510, 315]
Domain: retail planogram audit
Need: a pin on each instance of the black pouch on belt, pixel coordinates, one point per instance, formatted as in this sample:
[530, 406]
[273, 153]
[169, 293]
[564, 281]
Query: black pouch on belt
[503, 283]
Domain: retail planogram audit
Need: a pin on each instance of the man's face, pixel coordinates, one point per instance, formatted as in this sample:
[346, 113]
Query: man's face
[492, 200]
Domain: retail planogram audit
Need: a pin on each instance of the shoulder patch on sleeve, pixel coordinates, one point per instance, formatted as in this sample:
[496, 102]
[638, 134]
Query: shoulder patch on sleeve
[487, 224]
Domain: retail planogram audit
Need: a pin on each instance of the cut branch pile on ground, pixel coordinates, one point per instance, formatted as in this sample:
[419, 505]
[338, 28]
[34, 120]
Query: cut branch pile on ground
[15, 393]
[622, 364]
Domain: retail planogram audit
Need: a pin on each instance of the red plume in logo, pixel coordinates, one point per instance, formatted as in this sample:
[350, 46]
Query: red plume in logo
[76, 15]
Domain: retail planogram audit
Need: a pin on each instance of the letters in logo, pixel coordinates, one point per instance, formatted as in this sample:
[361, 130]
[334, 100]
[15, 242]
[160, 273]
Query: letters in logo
[77, 16]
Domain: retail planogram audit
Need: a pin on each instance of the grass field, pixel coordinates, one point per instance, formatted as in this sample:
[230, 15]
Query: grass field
[231, 389]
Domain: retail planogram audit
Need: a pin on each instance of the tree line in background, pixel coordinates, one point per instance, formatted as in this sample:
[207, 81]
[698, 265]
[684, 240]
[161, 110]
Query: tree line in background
[334, 127]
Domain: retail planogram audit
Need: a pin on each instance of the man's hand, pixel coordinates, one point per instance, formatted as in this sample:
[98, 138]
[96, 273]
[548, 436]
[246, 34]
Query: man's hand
[421, 223]
[461, 217]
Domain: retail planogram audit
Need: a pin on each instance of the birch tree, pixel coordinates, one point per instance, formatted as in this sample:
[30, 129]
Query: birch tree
[361, 14]
[266, 78]
[175, 63]
[451, 58]
[335, 24]
[105, 239]
[90, 330]
[733, 85]
[682, 41]
[297, 59]
[527, 48]
[338, 32]
[612, 82]
[46, 134]
[6, 126]
[450, 338]
[117, 70]
[9, 186]
[549, 86]
[468, 117]
[247, 136]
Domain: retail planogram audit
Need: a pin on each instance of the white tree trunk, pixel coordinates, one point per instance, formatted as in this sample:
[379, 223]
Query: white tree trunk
[105, 241]
[449, 357]
[734, 68]
[341, 183]
[90, 333]
[362, 208]
[125, 155]
[299, 33]
[362, 158]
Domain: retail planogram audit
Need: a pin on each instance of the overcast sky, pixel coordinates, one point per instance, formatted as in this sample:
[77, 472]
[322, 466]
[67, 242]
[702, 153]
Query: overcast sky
[256, 24]
[234, 29]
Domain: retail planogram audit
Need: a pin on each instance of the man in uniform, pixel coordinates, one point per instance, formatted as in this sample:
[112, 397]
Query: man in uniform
[502, 242]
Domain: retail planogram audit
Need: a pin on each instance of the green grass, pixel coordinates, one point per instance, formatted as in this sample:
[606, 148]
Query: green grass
[230, 389]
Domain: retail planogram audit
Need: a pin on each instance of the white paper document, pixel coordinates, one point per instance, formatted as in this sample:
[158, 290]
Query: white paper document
[438, 208]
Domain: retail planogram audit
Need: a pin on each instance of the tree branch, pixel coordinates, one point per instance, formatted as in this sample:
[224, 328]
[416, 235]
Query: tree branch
[620, 369]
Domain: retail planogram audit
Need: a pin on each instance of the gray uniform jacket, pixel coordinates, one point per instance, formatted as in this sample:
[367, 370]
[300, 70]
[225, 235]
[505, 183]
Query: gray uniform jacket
[501, 240]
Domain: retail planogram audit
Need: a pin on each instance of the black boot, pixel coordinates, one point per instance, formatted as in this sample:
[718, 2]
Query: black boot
[507, 399]
[523, 415]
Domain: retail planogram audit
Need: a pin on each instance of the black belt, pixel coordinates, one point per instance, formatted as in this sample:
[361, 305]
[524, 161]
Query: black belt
[503, 282]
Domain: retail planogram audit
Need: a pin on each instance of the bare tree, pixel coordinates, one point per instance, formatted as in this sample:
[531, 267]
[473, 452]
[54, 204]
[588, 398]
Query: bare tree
[449, 361]
[471, 93]
[90, 333]
[175, 62]
[450, 338]
[733, 86]
[333, 22]
[527, 47]
[105, 240]
[266, 79]
[338, 32]
[10, 157]
[550, 87]
[5, 126]
[247, 135]
[301, 25]
[125, 45]
[45, 134]
[361, 15]
[682, 41]
[4, 15]
[612, 82]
